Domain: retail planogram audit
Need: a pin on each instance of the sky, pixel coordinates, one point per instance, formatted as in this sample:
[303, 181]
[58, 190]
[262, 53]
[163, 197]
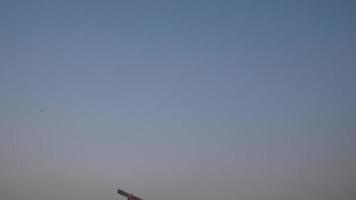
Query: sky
[203, 100]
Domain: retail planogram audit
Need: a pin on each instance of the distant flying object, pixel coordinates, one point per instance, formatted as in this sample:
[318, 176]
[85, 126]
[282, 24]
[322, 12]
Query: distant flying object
[42, 110]
[128, 195]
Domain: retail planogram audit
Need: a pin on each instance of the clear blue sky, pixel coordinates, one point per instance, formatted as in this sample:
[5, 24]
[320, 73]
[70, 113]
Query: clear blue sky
[177, 99]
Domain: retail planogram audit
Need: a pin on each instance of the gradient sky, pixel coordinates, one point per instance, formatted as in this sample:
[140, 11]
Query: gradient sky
[172, 100]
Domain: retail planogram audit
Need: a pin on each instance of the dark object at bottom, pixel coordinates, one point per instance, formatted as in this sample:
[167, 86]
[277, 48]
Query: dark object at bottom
[128, 195]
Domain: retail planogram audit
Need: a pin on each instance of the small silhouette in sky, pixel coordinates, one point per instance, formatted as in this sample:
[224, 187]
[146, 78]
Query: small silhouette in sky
[42, 109]
[128, 195]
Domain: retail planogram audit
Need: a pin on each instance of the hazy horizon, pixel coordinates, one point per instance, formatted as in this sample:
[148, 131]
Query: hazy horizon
[172, 100]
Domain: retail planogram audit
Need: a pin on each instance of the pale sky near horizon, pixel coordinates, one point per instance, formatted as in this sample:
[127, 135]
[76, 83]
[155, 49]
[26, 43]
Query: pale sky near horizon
[172, 100]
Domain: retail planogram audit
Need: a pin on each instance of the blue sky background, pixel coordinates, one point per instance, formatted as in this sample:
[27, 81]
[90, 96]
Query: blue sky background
[177, 99]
